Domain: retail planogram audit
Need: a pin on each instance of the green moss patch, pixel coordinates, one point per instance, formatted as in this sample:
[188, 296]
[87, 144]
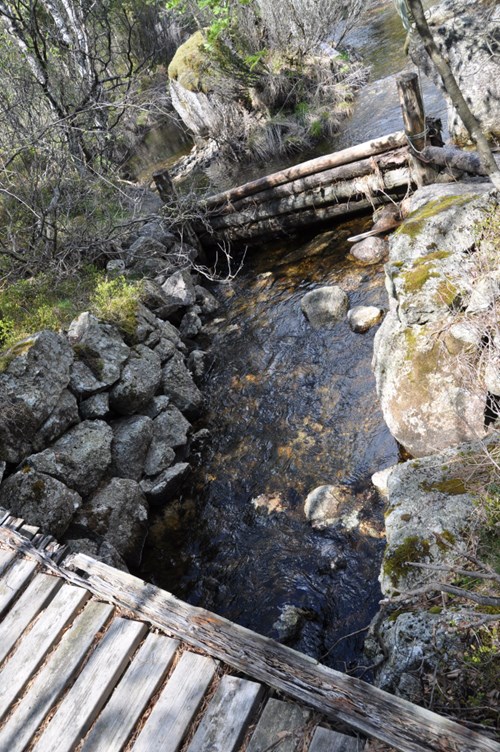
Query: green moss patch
[191, 65]
[397, 562]
[415, 223]
[451, 486]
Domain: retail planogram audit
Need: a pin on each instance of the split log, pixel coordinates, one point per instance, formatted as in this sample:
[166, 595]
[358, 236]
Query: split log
[367, 185]
[396, 158]
[286, 224]
[395, 721]
[319, 164]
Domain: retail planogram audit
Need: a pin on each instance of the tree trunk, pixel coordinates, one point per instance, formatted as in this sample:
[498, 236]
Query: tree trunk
[453, 90]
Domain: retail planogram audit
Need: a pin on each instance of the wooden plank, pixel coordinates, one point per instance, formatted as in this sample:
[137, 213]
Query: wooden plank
[177, 705]
[7, 556]
[325, 740]
[13, 581]
[29, 531]
[26, 609]
[280, 728]
[86, 697]
[326, 162]
[365, 708]
[33, 648]
[55, 676]
[227, 716]
[129, 700]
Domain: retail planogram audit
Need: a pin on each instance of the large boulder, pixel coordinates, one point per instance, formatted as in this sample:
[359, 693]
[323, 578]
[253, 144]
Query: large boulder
[33, 375]
[63, 416]
[466, 32]
[179, 292]
[40, 499]
[161, 488]
[100, 346]
[140, 379]
[131, 439]
[170, 430]
[178, 384]
[432, 394]
[80, 458]
[119, 513]
[325, 306]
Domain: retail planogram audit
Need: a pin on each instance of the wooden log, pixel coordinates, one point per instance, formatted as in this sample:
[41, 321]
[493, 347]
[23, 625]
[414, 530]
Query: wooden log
[399, 723]
[412, 108]
[396, 158]
[367, 185]
[352, 154]
[289, 223]
[455, 158]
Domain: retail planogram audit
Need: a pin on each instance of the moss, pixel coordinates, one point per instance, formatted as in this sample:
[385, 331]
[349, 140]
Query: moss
[117, 301]
[446, 293]
[424, 359]
[415, 223]
[191, 65]
[414, 279]
[38, 489]
[90, 358]
[20, 348]
[450, 486]
[445, 539]
[397, 562]
[435, 609]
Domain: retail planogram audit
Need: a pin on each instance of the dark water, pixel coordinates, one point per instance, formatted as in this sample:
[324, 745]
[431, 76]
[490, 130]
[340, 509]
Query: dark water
[291, 409]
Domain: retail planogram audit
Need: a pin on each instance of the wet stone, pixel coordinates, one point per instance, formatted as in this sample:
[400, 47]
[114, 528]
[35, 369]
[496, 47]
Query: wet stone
[363, 318]
[325, 306]
[369, 251]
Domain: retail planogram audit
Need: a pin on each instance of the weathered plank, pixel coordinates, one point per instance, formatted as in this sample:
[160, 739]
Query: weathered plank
[368, 709]
[7, 556]
[227, 716]
[55, 676]
[13, 580]
[325, 740]
[326, 162]
[130, 698]
[27, 607]
[34, 646]
[86, 697]
[280, 728]
[177, 705]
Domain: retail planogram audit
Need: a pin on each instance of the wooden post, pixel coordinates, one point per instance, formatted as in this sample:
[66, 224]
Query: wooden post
[412, 108]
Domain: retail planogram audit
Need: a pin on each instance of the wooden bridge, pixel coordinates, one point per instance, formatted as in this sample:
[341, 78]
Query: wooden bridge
[92, 658]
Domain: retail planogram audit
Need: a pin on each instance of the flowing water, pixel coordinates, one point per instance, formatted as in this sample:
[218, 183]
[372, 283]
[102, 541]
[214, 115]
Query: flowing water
[289, 409]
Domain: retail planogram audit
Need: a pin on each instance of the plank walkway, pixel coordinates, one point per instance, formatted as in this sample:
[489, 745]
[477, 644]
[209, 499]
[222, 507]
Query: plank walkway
[95, 660]
[77, 673]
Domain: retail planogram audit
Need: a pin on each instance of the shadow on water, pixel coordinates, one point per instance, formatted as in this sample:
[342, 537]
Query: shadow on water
[290, 409]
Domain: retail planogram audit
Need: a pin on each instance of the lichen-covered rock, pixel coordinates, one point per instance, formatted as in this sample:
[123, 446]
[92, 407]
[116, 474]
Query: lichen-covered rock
[325, 306]
[178, 384]
[83, 382]
[170, 430]
[160, 490]
[33, 375]
[429, 396]
[156, 406]
[369, 251]
[466, 32]
[139, 381]
[165, 349]
[64, 415]
[118, 512]
[430, 507]
[100, 346]
[79, 458]
[363, 318]
[94, 407]
[131, 439]
[179, 291]
[40, 499]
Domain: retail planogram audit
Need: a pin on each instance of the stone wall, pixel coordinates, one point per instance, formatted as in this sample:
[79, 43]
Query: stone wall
[96, 425]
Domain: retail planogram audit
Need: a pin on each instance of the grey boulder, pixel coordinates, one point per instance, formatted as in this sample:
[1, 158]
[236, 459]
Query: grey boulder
[64, 415]
[100, 346]
[170, 430]
[178, 384]
[140, 379]
[131, 439]
[160, 489]
[325, 306]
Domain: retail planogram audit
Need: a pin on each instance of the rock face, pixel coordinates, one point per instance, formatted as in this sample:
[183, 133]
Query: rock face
[465, 31]
[432, 399]
[35, 373]
[80, 458]
[44, 501]
[325, 306]
[119, 512]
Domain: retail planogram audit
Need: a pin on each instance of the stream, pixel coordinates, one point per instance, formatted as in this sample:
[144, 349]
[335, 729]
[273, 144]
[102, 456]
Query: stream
[291, 409]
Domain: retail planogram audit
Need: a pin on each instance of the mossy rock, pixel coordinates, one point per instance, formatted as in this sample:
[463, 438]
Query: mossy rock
[397, 561]
[192, 66]
[415, 223]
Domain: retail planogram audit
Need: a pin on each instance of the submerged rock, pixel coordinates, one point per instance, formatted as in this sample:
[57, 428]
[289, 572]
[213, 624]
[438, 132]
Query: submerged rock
[40, 499]
[325, 306]
[331, 505]
[363, 318]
